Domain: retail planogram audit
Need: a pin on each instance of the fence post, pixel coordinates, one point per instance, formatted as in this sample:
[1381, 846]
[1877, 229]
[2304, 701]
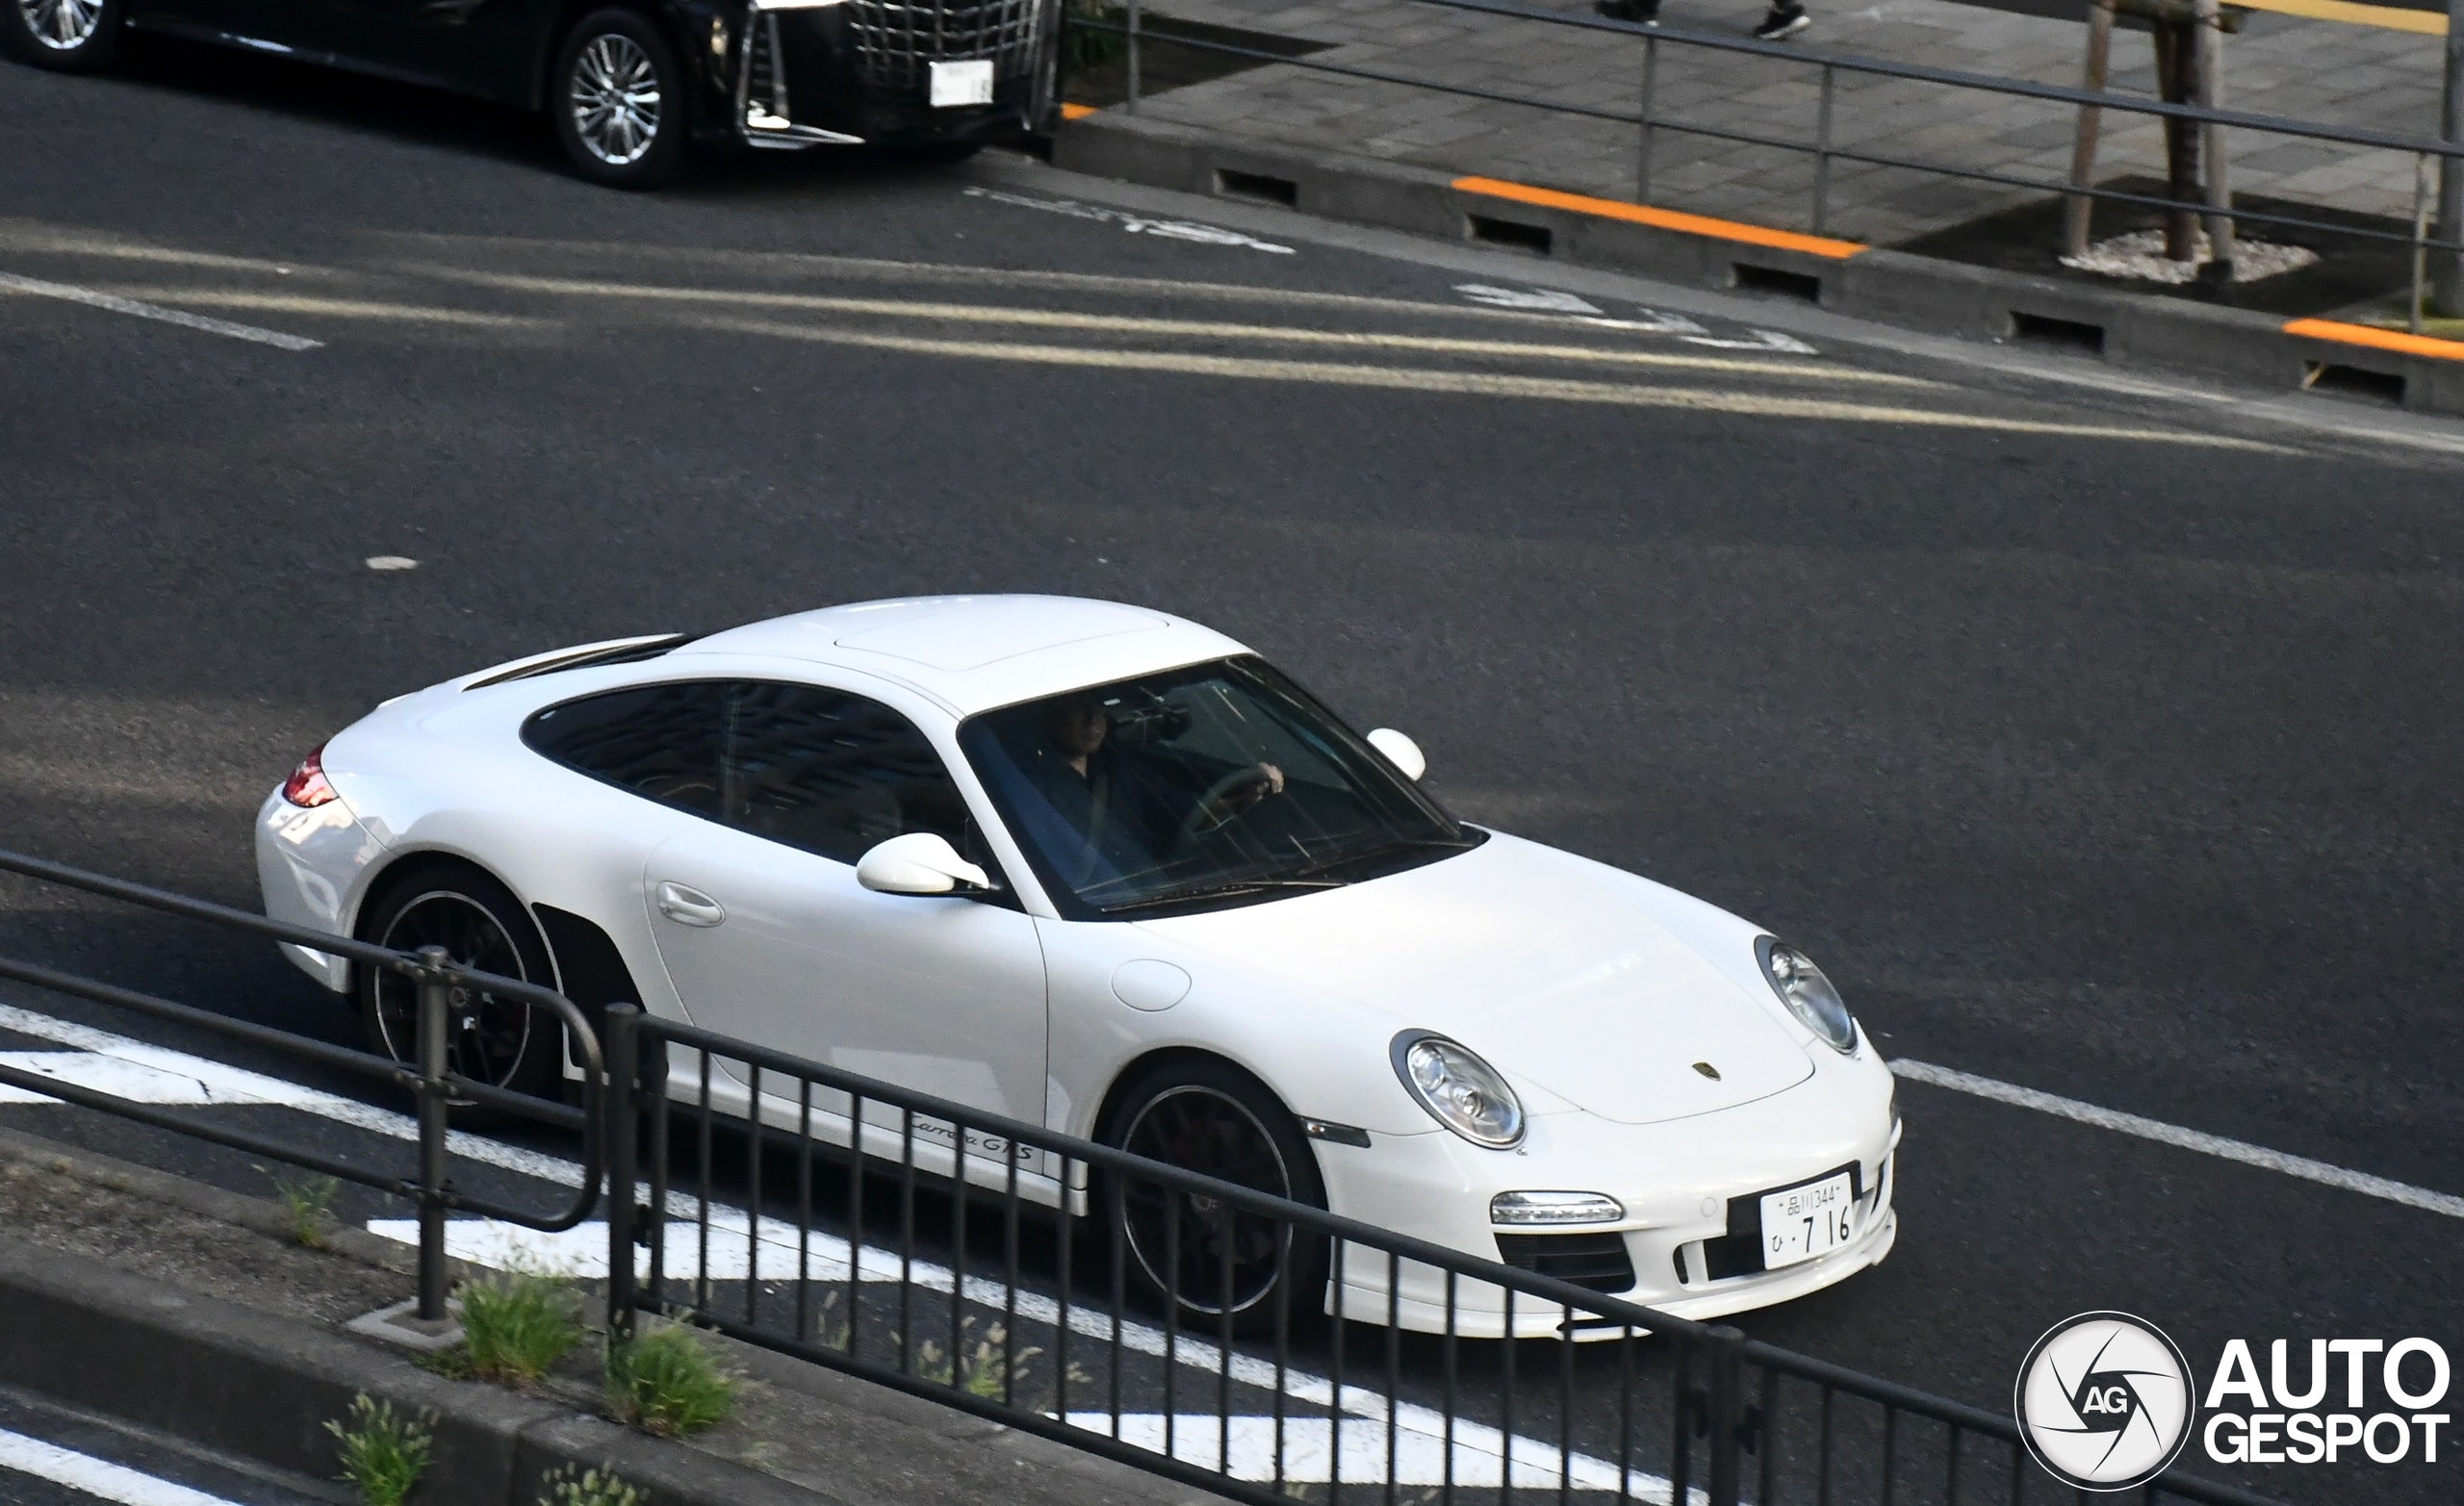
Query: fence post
[2421, 238]
[1727, 1393]
[1132, 106]
[1651, 79]
[1822, 158]
[435, 1003]
[619, 1125]
[2448, 294]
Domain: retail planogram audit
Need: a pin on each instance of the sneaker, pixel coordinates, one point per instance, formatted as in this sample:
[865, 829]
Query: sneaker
[1781, 24]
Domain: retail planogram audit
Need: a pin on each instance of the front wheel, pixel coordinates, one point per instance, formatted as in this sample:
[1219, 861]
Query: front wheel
[64, 35]
[1219, 1263]
[618, 99]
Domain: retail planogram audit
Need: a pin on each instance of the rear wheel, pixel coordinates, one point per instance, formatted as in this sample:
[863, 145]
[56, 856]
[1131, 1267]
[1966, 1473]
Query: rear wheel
[1216, 1262]
[65, 36]
[480, 925]
[617, 97]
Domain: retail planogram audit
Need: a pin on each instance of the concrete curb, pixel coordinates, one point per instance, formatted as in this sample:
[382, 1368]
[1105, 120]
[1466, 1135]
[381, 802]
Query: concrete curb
[2129, 331]
[260, 1387]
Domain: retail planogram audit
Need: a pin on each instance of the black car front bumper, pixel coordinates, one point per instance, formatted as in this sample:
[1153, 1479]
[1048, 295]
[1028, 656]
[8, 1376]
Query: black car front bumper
[853, 72]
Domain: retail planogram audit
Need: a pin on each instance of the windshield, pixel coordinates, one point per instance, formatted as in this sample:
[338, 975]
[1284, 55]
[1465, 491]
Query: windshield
[1219, 782]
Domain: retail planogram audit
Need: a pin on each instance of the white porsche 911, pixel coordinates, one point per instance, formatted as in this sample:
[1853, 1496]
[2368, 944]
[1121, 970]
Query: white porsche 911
[1106, 870]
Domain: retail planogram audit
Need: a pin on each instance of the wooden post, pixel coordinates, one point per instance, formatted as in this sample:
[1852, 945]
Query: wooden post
[2210, 21]
[2080, 208]
[2176, 65]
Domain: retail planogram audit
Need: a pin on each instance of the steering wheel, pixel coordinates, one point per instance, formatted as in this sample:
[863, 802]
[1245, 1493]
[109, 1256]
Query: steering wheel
[1197, 824]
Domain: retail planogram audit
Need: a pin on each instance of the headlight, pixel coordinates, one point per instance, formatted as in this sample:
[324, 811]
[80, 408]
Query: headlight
[1460, 1091]
[1555, 1208]
[1808, 994]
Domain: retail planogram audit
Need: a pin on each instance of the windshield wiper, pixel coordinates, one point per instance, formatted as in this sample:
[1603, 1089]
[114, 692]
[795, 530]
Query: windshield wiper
[1215, 891]
[1451, 844]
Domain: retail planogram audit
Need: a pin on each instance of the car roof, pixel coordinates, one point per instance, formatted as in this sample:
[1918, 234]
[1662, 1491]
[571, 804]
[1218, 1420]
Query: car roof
[975, 652]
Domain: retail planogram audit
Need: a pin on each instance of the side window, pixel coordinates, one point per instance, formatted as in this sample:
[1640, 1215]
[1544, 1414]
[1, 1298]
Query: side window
[831, 773]
[658, 741]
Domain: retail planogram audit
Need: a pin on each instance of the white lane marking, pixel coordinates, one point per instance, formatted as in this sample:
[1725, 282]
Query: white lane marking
[738, 1246]
[94, 1476]
[1545, 299]
[1134, 225]
[143, 1084]
[1113, 324]
[386, 562]
[2174, 1135]
[1309, 1452]
[155, 311]
[232, 1085]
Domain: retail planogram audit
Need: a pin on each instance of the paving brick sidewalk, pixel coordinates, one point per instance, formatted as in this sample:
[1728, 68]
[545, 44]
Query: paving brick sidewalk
[2310, 71]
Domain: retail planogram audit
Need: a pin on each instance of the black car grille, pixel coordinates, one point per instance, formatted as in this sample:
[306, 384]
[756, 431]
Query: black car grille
[1597, 1262]
[897, 41]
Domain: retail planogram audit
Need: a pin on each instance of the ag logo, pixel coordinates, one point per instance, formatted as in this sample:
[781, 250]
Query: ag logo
[2104, 1401]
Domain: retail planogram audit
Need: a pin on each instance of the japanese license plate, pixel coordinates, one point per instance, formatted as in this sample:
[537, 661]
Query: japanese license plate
[1802, 1222]
[968, 83]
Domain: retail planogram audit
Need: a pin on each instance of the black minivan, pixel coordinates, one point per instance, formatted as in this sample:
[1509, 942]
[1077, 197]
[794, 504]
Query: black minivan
[629, 81]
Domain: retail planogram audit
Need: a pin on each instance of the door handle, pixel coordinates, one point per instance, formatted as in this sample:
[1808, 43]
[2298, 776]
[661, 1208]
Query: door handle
[689, 907]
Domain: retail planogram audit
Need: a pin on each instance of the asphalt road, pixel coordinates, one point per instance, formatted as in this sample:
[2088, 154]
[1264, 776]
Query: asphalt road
[2089, 735]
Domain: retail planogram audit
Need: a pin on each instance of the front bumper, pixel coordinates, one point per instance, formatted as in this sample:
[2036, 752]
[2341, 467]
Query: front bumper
[855, 73]
[1690, 1188]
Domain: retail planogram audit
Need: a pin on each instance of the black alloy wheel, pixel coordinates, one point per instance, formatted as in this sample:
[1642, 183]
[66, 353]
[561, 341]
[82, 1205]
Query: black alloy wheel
[63, 36]
[1219, 1262]
[480, 925]
[617, 99]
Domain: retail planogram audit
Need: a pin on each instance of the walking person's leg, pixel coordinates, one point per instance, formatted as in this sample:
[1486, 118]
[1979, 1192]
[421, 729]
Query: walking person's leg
[1787, 18]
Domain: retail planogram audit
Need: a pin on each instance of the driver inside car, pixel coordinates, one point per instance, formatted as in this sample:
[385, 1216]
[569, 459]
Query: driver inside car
[1098, 786]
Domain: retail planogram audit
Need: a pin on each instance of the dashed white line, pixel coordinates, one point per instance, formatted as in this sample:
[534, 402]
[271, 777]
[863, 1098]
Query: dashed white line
[94, 1476]
[116, 304]
[2174, 1135]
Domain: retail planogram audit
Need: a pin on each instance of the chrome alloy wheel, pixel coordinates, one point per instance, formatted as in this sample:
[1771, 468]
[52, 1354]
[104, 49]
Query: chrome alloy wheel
[1208, 1255]
[614, 98]
[62, 25]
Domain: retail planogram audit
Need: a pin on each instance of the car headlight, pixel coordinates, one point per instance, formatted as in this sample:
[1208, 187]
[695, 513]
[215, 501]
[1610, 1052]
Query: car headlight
[1460, 1091]
[1808, 994]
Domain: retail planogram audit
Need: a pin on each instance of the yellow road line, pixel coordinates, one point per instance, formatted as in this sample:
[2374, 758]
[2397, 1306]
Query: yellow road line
[2377, 338]
[1199, 329]
[1480, 384]
[1663, 219]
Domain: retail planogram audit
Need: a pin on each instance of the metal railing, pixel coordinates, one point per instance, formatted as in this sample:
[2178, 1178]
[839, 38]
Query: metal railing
[430, 1080]
[1649, 121]
[850, 1244]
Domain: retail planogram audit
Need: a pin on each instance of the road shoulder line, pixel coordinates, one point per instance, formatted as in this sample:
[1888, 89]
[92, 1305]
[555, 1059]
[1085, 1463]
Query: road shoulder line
[67, 293]
[2220, 1146]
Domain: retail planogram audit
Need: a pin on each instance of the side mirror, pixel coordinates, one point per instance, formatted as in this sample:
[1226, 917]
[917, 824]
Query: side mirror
[921, 862]
[1400, 751]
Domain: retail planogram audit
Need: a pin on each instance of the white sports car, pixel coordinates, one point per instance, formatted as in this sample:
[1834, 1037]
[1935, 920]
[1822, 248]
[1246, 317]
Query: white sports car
[1106, 870]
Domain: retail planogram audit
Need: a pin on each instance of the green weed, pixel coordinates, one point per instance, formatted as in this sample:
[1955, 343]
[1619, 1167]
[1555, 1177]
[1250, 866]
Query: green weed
[516, 1327]
[383, 1455]
[308, 1202]
[667, 1382]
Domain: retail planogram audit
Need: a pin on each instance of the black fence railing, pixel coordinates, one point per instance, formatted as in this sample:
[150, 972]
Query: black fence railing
[1192, 1326]
[430, 1080]
[1204, 1330]
[1651, 119]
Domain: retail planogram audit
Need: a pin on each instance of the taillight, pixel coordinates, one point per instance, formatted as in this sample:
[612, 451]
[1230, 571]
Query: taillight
[307, 785]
